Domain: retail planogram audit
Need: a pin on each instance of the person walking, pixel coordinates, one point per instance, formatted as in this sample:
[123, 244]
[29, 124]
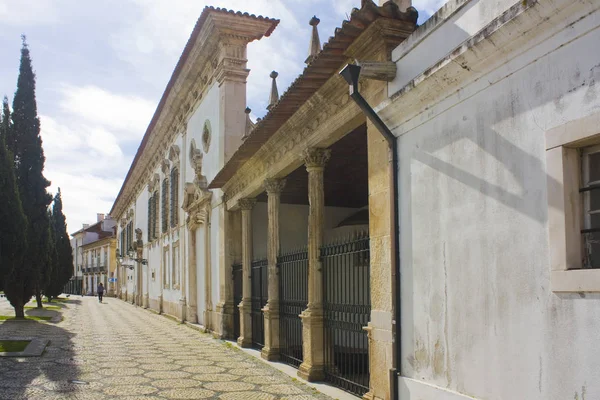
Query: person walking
[100, 292]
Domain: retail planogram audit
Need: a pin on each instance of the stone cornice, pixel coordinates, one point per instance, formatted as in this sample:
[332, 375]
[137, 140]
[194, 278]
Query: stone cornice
[318, 123]
[218, 43]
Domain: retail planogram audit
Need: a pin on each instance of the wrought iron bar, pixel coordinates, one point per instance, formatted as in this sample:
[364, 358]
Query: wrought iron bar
[347, 309]
[293, 297]
[260, 294]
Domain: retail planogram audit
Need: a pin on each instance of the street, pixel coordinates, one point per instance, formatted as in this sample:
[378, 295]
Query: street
[115, 350]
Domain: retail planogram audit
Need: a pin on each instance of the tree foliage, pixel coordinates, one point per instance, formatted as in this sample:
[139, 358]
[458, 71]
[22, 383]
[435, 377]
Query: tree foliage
[13, 234]
[60, 258]
[29, 162]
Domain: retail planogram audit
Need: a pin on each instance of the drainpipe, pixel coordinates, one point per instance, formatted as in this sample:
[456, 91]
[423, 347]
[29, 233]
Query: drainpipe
[384, 71]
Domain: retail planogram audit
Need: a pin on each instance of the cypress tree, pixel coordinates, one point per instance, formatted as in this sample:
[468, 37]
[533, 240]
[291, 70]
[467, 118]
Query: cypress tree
[50, 274]
[13, 234]
[5, 125]
[29, 161]
[62, 265]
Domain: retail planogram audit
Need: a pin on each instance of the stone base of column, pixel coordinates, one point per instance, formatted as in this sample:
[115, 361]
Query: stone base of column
[313, 367]
[160, 304]
[271, 350]
[223, 325]
[192, 314]
[183, 308]
[245, 309]
[147, 300]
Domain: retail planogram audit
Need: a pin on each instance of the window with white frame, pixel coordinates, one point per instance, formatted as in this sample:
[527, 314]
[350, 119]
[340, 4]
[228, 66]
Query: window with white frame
[590, 190]
[573, 192]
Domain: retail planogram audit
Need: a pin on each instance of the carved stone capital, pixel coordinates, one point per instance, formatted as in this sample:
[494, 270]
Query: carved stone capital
[274, 186]
[316, 157]
[246, 204]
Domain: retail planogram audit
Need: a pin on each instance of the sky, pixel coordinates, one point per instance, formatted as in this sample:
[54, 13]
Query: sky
[102, 67]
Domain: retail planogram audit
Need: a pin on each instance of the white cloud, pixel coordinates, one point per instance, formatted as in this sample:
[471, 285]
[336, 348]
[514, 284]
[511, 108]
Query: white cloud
[29, 12]
[127, 114]
[428, 7]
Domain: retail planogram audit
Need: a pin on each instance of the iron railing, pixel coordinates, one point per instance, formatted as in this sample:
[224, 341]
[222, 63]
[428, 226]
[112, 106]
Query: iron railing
[260, 294]
[293, 297]
[237, 273]
[347, 308]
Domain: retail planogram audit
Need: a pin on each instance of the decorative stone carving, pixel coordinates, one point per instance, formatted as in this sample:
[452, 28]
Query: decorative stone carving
[316, 157]
[274, 98]
[246, 204]
[165, 167]
[274, 186]
[174, 154]
[206, 136]
[153, 184]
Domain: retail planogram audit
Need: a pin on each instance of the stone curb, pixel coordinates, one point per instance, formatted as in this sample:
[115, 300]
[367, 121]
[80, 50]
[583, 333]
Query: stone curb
[35, 348]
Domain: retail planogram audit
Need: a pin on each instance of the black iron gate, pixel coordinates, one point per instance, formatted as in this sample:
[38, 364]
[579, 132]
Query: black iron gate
[237, 298]
[293, 297]
[347, 307]
[259, 281]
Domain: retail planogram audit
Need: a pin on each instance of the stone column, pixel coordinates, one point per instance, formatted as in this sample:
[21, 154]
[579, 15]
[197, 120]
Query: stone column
[245, 307]
[271, 311]
[312, 368]
[192, 301]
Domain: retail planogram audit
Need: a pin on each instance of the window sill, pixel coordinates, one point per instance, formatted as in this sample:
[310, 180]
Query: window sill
[579, 280]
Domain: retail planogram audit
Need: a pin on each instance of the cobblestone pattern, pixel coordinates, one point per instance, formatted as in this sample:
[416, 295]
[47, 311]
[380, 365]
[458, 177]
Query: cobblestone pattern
[120, 351]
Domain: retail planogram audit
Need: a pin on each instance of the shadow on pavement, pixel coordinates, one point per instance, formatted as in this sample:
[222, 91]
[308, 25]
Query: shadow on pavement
[32, 377]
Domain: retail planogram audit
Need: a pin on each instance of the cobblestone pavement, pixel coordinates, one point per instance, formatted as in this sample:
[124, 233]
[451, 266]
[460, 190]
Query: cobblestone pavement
[120, 351]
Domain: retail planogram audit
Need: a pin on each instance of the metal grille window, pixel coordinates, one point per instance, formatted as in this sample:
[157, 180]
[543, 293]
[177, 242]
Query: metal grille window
[165, 205]
[130, 235]
[174, 196]
[590, 174]
[123, 248]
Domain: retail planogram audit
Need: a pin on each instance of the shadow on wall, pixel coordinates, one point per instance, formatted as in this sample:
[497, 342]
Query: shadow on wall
[492, 143]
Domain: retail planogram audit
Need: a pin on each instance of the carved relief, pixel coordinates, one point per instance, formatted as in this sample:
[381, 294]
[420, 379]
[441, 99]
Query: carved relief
[165, 167]
[246, 204]
[206, 136]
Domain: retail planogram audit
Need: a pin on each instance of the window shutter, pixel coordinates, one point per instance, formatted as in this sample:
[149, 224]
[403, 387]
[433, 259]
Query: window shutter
[165, 202]
[174, 196]
[149, 238]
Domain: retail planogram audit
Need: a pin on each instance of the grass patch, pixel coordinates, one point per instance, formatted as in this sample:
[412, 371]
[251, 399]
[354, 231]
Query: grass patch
[11, 346]
[56, 308]
[29, 317]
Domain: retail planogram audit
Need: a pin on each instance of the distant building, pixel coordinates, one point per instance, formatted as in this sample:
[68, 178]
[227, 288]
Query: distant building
[94, 249]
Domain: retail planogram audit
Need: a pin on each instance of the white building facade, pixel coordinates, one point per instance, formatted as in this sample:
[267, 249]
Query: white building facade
[199, 123]
[496, 110]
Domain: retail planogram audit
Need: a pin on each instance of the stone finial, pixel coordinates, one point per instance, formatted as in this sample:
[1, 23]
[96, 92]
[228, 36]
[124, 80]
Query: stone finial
[274, 98]
[249, 124]
[314, 47]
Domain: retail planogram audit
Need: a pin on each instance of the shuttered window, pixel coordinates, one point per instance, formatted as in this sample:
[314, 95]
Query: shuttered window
[174, 196]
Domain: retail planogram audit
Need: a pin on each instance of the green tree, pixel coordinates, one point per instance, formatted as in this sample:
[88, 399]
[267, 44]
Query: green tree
[62, 265]
[13, 235]
[29, 161]
[49, 281]
[5, 124]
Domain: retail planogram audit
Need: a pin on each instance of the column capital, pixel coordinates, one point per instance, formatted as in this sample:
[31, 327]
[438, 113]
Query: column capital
[274, 186]
[315, 157]
[246, 204]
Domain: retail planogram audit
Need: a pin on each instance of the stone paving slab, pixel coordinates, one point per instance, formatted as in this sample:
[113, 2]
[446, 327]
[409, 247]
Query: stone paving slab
[115, 350]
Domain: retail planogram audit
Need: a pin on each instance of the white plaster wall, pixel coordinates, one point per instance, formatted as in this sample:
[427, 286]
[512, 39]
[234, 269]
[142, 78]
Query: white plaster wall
[293, 226]
[437, 37]
[207, 110]
[200, 272]
[478, 314]
[216, 250]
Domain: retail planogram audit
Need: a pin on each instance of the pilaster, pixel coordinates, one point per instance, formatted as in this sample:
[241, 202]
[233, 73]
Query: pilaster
[271, 349]
[312, 368]
[245, 339]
